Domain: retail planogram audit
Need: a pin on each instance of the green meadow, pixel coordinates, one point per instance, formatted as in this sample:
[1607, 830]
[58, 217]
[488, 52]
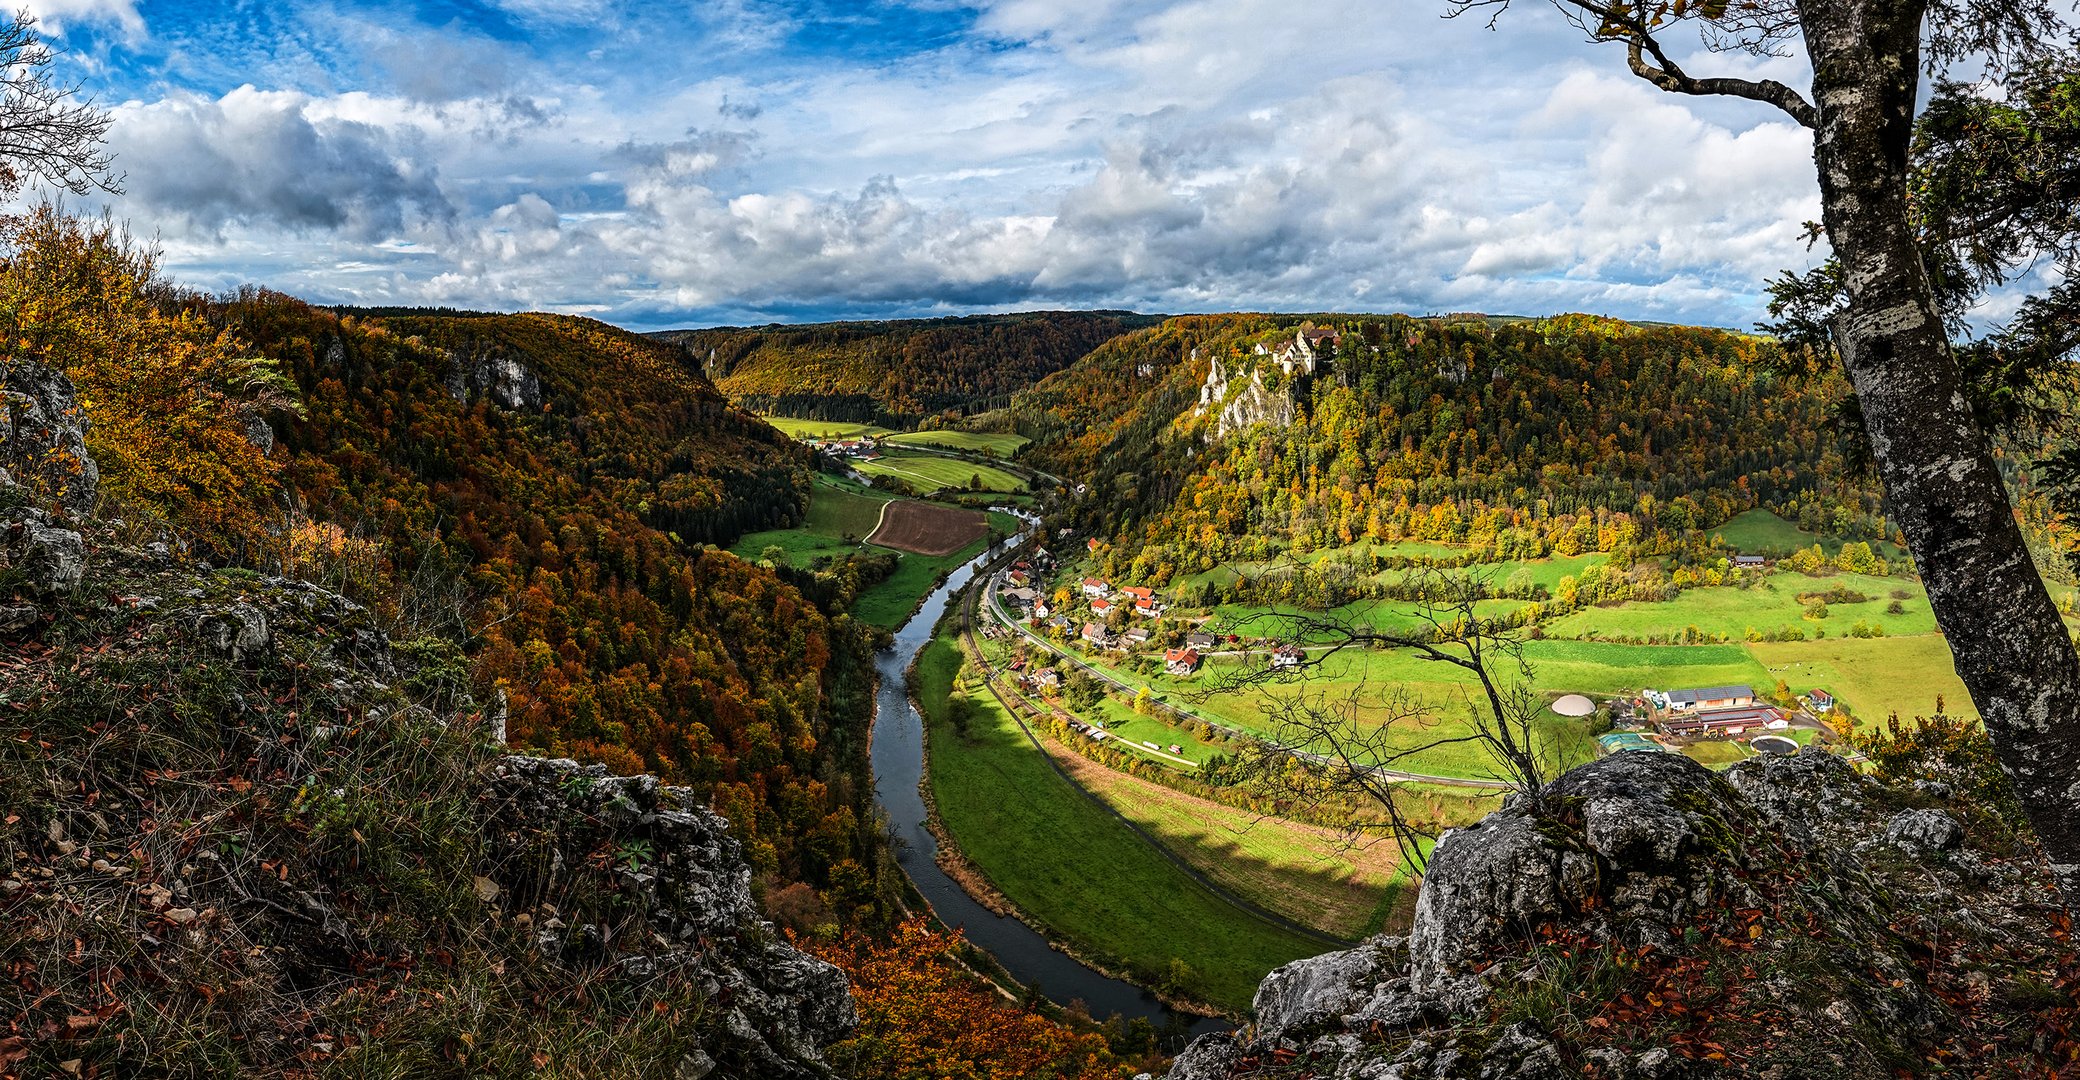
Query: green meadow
[1077, 869]
[982, 442]
[926, 473]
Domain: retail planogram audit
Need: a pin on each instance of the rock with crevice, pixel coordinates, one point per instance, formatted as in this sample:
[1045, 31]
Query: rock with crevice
[43, 438]
[783, 1006]
[494, 376]
[44, 560]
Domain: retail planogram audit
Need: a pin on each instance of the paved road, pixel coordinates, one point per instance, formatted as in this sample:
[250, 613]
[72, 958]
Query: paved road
[996, 610]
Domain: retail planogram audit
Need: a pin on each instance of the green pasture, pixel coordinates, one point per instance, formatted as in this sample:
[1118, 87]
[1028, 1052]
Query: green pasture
[1763, 532]
[1078, 870]
[981, 442]
[1772, 602]
[1872, 676]
[930, 472]
[824, 429]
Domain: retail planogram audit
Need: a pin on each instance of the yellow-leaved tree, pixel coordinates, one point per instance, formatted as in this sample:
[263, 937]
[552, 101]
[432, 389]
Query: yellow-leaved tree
[176, 404]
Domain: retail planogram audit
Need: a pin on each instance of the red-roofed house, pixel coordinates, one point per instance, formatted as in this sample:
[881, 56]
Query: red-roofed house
[1180, 661]
[1095, 587]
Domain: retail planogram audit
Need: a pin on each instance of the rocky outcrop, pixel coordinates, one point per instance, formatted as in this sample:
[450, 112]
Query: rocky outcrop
[506, 382]
[43, 560]
[1240, 407]
[43, 438]
[778, 1007]
[1806, 920]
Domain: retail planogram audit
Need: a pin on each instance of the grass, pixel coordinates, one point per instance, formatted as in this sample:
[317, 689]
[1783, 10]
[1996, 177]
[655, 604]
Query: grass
[824, 429]
[840, 508]
[1371, 679]
[1762, 532]
[1872, 676]
[1312, 875]
[1077, 869]
[1766, 606]
[930, 472]
[985, 442]
[837, 510]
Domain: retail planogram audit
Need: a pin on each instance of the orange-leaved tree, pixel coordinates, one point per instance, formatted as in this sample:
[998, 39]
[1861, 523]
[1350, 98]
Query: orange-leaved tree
[175, 403]
[922, 1016]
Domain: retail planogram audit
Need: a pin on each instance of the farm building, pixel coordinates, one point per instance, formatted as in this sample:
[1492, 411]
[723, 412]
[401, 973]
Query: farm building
[1710, 697]
[1095, 587]
[1288, 656]
[1749, 562]
[1020, 597]
[1181, 661]
[1201, 641]
[1138, 635]
[1714, 722]
[1820, 700]
[1096, 634]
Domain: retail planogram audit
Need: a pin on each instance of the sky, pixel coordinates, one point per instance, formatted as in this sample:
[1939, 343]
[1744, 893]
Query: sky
[751, 161]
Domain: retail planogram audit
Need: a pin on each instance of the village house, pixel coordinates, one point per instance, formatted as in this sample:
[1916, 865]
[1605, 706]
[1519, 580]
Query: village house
[1020, 597]
[1749, 562]
[1101, 607]
[1138, 592]
[1147, 606]
[1041, 610]
[1018, 577]
[1095, 587]
[1199, 640]
[1181, 661]
[1096, 634]
[1820, 700]
[1138, 635]
[1047, 678]
[1288, 656]
[1091, 545]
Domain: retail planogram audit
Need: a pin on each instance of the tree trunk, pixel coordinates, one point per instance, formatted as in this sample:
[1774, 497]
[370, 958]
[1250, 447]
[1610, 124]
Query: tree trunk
[1937, 465]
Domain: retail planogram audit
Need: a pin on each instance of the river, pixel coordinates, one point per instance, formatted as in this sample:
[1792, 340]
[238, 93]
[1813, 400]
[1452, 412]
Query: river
[898, 766]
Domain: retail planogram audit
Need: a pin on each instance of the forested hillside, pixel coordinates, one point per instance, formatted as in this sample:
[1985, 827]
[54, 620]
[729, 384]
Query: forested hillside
[895, 373]
[537, 487]
[1550, 436]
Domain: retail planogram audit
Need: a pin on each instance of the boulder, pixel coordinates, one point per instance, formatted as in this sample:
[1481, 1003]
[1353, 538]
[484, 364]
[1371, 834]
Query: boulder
[46, 561]
[238, 633]
[1924, 830]
[43, 437]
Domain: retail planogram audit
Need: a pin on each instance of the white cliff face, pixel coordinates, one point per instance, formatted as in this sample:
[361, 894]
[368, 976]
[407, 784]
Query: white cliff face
[1238, 408]
[504, 380]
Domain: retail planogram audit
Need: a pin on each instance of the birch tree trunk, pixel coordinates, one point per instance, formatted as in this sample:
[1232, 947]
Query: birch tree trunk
[1937, 464]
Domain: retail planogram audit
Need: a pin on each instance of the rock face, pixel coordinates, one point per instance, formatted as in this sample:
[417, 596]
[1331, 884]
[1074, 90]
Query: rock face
[505, 381]
[781, 1007]
[1793, 890]
[43, 437]
[1252, 404]
[45, 561]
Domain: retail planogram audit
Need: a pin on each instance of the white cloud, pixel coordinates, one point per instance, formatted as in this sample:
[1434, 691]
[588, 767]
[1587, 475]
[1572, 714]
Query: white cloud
[53, 16]
[1187, 155]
